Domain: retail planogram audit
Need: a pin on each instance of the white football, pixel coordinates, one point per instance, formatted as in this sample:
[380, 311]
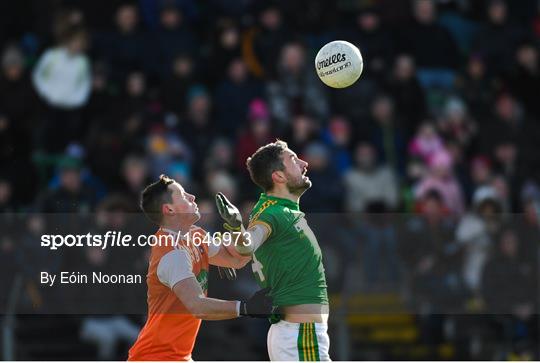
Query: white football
[339, 64]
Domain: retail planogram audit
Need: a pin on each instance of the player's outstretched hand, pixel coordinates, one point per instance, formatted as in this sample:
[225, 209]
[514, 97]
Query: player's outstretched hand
[229, 213]
[228, 273]
[258, 306]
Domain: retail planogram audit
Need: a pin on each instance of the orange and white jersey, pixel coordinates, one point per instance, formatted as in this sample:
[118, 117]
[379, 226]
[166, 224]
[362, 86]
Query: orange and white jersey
[170, 330]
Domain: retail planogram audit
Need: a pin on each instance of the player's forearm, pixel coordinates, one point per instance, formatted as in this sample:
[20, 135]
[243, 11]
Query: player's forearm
[244, 246]
[234, 259]
[206, 308]
[191, 295]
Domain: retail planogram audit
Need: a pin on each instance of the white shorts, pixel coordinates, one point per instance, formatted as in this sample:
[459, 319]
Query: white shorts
[298, 341]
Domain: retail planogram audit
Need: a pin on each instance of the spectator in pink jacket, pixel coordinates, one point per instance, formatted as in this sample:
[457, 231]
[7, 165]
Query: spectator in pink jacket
[426, 142]
[441, 178]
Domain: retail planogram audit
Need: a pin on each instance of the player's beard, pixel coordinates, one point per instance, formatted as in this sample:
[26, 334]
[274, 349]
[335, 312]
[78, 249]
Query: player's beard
[297, 186]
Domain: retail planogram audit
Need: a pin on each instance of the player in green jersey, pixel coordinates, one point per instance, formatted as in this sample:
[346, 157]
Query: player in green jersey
[285, 252]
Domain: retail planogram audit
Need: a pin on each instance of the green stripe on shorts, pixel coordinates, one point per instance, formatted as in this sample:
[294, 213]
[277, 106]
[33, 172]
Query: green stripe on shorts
[300, 343]
[308, 346]
[316, 343]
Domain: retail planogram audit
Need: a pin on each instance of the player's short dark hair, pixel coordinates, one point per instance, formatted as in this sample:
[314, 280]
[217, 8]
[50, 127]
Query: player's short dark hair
[154, 196]
[264, 162]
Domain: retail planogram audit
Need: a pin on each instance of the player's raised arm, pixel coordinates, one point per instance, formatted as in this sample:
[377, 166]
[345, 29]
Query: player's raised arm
[248, 240]
[223, 255]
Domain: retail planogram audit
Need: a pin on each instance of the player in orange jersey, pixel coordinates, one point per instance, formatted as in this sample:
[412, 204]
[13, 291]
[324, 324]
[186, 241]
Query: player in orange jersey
[178, 278]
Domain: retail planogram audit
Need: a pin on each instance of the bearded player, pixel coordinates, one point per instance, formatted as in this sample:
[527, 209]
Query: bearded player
[178, 277]
[285, 253]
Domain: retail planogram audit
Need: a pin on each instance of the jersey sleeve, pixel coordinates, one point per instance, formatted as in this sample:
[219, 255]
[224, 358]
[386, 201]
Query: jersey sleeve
[268, 219]
[174, 267]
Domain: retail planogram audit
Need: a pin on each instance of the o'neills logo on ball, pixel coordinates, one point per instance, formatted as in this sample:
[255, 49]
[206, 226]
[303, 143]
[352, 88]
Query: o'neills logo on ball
[336, 58]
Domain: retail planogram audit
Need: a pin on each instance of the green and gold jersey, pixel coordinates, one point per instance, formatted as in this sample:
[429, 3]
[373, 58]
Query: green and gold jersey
[290, 260]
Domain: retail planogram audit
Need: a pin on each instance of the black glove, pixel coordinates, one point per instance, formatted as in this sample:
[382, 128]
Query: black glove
[229, 213]
[227, 273]
[258, 306]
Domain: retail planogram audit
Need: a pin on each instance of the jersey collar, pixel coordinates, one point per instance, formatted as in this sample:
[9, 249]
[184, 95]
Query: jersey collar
[282, 201]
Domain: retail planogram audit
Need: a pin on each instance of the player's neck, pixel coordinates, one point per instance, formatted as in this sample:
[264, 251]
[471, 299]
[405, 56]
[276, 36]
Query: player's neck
[284, 194]
[176, 226]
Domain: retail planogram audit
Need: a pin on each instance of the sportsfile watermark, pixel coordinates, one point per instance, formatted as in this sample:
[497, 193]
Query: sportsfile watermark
[121, 239]
[98, 263]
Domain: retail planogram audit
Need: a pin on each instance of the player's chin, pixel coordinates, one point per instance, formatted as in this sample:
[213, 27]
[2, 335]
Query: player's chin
[305, 185]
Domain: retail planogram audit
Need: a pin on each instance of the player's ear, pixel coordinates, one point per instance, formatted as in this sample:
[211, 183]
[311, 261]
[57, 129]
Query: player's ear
[167, 209]
[278, 177]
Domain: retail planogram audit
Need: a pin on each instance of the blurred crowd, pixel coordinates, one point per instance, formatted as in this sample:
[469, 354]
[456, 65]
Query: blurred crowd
[426, 166]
